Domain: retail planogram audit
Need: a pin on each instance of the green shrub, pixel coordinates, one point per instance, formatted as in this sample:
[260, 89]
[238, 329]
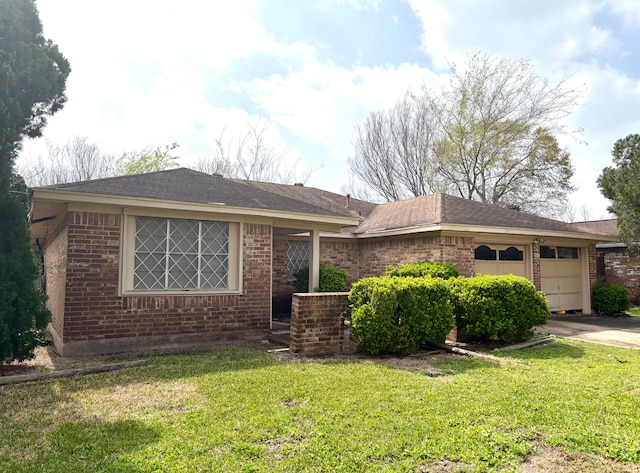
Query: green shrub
[426, 268]
[504, 307]
[397, 314]
[332, 279]
[609, 299]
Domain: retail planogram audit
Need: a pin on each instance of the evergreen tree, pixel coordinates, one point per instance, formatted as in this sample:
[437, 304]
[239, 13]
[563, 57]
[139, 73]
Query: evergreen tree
[33, 74]
[23, 315]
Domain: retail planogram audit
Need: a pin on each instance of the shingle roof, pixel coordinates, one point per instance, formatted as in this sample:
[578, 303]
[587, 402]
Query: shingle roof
[437, 209]
[186, 185]
[600, 226]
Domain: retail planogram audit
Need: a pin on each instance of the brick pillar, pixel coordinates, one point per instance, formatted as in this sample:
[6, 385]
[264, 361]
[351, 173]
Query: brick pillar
[317, 323]
[535, 256]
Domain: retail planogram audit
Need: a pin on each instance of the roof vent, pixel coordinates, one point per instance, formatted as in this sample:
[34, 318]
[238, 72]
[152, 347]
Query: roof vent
[217, 174]
[348, 196]
[514, 207]
[299, 184]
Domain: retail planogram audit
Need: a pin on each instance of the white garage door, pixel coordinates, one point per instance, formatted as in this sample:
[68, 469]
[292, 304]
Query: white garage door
[500, 259]
[561, 277]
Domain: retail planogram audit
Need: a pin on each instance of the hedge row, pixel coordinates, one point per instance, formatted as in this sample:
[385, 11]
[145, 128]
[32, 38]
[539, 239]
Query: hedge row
[395, 313]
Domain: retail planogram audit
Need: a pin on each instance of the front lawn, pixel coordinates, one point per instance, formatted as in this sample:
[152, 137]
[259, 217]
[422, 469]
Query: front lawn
[245, 411]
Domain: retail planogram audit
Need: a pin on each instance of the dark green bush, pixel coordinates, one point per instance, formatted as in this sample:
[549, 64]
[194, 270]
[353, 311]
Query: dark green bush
[503, 307]
[332, 279]
[397, 314]
[426, 268]
[609, 299]
[23, 314]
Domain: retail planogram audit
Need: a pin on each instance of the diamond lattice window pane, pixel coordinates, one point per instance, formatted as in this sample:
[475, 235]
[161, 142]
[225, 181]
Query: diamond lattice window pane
[150, 253]
[183, 272]
[183, 236]
[214, 271]
[215, 238]
[297, 256]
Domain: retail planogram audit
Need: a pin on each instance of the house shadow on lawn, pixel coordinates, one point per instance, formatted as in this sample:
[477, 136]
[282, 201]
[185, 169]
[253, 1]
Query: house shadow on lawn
[96, 446]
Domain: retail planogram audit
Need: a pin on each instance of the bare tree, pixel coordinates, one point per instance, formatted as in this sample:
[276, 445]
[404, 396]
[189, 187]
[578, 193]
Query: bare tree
[489, 135]
[77, 160]
[248, 156]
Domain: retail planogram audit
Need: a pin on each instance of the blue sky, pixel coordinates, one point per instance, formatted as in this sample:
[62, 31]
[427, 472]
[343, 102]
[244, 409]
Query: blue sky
[150, 73]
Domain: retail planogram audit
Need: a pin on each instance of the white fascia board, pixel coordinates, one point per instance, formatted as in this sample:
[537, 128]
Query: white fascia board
[57, 195]
[478, 229]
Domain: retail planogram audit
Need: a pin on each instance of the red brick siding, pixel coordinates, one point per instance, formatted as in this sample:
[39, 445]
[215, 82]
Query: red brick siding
[377, 255]
[620, 267]
[459, 251]
[281, 285]
[535, 253]
[593, 267]
[94, 311]
[316, 323]
[55, 269]
[342, 254]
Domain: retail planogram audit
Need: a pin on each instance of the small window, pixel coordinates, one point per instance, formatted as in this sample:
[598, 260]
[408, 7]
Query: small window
[297, 256]
[547, 252]
[484, 253]
[567, 253]
[511, 254]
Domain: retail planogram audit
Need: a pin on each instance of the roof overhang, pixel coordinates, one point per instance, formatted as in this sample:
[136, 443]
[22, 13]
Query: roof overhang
[486, 230]
[48, 204]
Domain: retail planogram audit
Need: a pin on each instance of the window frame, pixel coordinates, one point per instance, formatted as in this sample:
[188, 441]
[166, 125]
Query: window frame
[127, 256]
[306, 262]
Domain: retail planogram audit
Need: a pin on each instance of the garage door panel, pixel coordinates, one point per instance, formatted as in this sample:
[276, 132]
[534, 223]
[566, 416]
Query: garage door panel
[561, 281]
[573, 284]
[515, 269]
[571, 301]
[568, 268]
[548, 270]
[485, 267]
[549, 285]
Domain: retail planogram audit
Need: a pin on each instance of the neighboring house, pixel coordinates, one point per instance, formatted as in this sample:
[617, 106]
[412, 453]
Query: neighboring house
[182, 257]
[615, 263]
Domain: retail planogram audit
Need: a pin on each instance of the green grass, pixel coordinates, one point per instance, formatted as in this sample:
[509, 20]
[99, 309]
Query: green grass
[633, 311]
[230, 410]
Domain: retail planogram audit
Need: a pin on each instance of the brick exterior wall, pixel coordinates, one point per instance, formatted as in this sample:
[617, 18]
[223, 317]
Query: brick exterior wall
[621, 267]
[97, 319]
[459, 251]
[280, 284]
[376, 255]
[317, 324]
[593, 268]
[343, 254]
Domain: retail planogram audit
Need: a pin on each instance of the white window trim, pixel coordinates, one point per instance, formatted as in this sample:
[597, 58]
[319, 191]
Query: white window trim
[127, 259]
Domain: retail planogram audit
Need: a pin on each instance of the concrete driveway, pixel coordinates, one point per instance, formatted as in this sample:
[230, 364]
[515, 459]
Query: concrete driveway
[621, 331]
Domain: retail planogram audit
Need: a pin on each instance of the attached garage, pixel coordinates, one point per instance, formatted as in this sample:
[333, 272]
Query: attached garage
[561, 270]
[500, 260]
[561, 277]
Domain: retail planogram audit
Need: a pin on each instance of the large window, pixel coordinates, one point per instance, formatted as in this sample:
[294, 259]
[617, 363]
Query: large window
[297, 256]
[180, 255]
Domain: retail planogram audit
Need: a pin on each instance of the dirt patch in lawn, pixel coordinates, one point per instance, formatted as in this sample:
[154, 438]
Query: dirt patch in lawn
[557, 460]
[46, 358]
